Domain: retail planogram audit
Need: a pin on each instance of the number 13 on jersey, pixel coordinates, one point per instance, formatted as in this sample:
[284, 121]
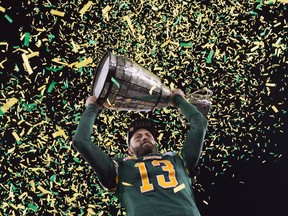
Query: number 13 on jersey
[167, 166]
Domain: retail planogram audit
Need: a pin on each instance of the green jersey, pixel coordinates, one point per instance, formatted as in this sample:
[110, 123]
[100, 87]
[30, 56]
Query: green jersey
[153, 184]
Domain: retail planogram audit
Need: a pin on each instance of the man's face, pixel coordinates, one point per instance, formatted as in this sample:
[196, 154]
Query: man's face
[142, 143]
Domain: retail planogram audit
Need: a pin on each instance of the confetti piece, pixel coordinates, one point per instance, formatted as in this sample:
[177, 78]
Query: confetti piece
[75, 46]
[271, 84]
[165, 43]
[11, 150]
[32, 184]
[84, 63]
[184, 44]
[56, 60]
[26, 63]
[60, 132]
[172, 86]
[126, 184]
[86, 7]
[17, 138]
[209, 58]
[2, 9]
[275, 109]
[178, 188]
[128, 20]
[26, 39]
[106, 10]
[33, 54]
[1, 63]
[33, 207]
[115, 82]
[50, 88]
[152, 89]
[43, 190]
[57, 13]
[8, 18]
[283, 1]
[8, 105]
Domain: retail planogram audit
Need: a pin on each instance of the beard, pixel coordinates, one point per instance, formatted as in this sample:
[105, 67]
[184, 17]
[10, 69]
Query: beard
[145, 149]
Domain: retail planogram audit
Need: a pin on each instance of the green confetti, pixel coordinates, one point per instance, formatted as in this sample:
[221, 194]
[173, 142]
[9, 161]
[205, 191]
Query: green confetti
[51, 37]
[76, 160]
[178, 20]
[259, 5]
[33, 207]
[8, 18]
[26, 39]
[185, 44]
[54, 69]
[53, 178]
[209, 58]
[253, 13]
[115, 82]
[93, 42]
[50, 88]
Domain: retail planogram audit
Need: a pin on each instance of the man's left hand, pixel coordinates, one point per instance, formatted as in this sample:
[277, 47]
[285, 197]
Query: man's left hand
[176, 92]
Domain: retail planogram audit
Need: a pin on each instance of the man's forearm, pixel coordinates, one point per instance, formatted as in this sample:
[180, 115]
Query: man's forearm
[101, 163]
[193, 144]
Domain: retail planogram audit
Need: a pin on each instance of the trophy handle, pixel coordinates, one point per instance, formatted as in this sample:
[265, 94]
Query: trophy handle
[201, 99]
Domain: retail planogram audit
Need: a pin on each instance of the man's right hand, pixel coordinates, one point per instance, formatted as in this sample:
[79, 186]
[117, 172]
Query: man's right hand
[93, 100]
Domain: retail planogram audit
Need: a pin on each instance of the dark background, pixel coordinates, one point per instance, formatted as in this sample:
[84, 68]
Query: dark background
[212, 44]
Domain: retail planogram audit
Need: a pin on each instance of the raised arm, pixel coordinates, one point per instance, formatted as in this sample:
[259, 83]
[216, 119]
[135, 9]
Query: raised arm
[101, 163]
[193, 143]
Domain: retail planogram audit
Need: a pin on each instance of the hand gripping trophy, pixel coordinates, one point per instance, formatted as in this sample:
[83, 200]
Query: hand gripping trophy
[121, 84]
[145, 176]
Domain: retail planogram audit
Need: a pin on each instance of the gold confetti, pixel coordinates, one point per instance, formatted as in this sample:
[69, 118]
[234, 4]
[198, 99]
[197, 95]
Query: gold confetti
[106, 9]
[86, 7]
[179, 187]
[126, 184]
[13, 206]
[16, 136]
[84, 63]
[43, 190]
[274, 1]
[22, 195]
[8, 105]
[128, 20]
[152, 89]
[26, 63]
[90, 211]
[57, 60]
[1, 63]
[57, 13]
[60, 132]
[33, 54]
[11, 150]
[275, 109]
[271, 84]
[32, 185]
[165, 43]
[2, 9]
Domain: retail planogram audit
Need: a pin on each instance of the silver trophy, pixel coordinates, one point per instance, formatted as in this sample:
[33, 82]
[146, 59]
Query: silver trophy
[121, 84]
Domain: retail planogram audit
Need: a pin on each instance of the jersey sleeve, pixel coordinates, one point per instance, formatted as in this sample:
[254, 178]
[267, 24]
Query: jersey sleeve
[193, 143]
[101, 163]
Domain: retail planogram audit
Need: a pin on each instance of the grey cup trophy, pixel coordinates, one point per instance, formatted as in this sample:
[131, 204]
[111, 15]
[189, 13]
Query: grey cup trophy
[121, 84]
